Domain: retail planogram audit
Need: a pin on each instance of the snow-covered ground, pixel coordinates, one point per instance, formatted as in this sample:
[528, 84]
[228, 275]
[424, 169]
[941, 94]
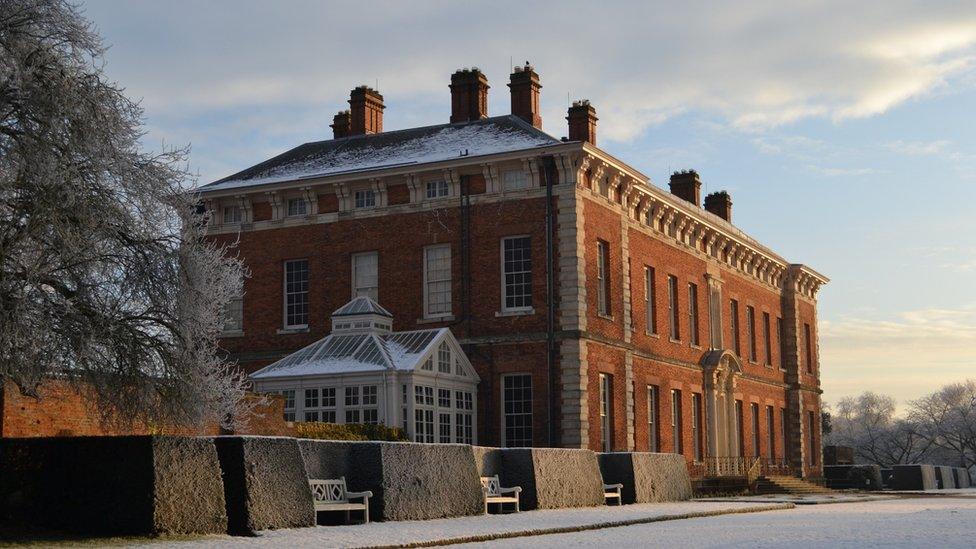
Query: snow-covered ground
[810, 499]
[397, 533]
[907, 522]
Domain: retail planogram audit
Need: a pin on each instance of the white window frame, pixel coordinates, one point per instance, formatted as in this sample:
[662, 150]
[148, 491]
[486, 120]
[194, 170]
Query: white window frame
[364, 198]
[504, 280]
[504, 434]
[296, 211]
[238, 217]
[233, 318]
[437, 189]
[606, 412]
[373, 290]
[603, 293]
[428, 282]
[285, 293]
[653, 421]
[650, 300]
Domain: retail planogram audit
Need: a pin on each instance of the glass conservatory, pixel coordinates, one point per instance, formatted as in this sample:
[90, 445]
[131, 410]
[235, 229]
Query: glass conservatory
[363, 372]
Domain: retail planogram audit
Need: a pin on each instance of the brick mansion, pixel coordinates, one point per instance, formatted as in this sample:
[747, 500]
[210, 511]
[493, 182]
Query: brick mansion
[597, 310]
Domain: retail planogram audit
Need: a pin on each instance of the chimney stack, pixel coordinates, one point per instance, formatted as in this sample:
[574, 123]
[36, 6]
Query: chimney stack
[525, 86]
[686, 186]
[365, 111]
[340, 124]
[720, 204]
[582, 122]
[469, 95]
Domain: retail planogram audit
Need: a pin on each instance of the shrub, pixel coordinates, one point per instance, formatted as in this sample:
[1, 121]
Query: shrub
[348, 431]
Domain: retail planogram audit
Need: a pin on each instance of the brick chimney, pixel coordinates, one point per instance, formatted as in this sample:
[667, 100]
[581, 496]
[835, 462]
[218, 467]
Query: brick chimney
[340, 124]
[582, 122]
[469, 95]
[686, 186]
[720, 204]
[365, 111]
[525, 86]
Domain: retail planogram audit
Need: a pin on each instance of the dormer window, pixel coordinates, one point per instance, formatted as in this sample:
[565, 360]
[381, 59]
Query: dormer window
[232, 214]
[437, 189]
[365, 199]
[515, 180]
[297, 207]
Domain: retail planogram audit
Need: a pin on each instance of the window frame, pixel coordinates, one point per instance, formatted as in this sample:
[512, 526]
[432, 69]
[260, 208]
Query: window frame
[296, 213]
[697, 427]
[693, 320]
[355, 274]
[504, 275]
[368, 197]
[767, 339]
[650, 300]
[751, 333]
[505, 442]
[232, 207]
[653, 418]
[756, 435]
[606, 412]
[286, 294]
[441, 188]
[734, 326]
[524, 182]
[427, 282]
[677, 434]
[604, 306]
[674, 309]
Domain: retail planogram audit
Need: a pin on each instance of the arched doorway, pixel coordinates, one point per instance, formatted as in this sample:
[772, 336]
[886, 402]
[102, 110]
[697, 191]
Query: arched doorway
[720, 368]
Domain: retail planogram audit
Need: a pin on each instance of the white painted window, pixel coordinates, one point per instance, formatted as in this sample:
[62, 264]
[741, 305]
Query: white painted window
[603, 277]
[437, 189]
[755, 429]
[234, 315]
[437, 281]
[297, 206]
[650, 302]
[289, 396]
[606, 412]
[693, 313]
[365, 275]
[676, 434]
[296, 293]
[365, 198]
[517, 410]
[464, 417]
[696, 426]
[423, 413]
[652, 421]
[310, 409]
[674, 315]
[514, 180]
[444, 360]
[516, 273]
[232, 214]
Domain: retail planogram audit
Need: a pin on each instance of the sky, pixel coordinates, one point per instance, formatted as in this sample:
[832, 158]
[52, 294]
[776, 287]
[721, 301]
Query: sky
[844, 131]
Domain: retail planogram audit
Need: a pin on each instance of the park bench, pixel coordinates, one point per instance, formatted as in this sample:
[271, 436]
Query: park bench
[494, 493]
[331, 495]
[612, 491]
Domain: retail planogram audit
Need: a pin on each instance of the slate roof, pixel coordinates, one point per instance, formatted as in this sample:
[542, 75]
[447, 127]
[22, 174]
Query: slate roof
[407, 147]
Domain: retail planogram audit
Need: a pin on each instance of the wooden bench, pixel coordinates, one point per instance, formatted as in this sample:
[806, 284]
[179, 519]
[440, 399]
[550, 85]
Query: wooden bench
[331, 495]
[494, 493]
[612, 491]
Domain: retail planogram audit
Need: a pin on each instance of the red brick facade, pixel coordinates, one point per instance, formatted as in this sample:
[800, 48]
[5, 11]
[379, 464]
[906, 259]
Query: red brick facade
[595, 199]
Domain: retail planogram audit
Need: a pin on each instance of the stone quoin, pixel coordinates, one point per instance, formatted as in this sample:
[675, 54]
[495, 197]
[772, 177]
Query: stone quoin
[598, 310]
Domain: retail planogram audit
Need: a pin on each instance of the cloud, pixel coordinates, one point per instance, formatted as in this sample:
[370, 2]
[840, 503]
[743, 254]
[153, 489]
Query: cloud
[907, 354]
[841, 172]
[919, 148]
[758, 64]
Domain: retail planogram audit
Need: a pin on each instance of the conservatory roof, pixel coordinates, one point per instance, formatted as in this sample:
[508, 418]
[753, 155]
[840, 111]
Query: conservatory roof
[362, 305]
[355, 353]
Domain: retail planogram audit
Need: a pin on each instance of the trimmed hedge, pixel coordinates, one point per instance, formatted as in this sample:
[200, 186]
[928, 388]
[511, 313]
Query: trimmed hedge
[349, 431]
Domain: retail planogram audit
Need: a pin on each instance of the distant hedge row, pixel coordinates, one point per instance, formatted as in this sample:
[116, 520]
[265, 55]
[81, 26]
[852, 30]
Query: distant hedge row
[348, 431]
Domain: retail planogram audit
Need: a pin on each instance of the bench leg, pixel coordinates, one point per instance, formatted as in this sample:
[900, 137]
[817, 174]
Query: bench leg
[366, 511]
[347, 517]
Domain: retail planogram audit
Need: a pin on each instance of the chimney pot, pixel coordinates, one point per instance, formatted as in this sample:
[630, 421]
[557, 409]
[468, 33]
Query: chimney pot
[686, 185]
[582, 122]
[469, 95]
[720, 204]
[365, 111]
[524, 85]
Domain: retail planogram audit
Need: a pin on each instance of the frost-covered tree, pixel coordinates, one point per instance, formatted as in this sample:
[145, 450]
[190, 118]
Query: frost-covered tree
[868, 424]
[947, 417]
[105, 277]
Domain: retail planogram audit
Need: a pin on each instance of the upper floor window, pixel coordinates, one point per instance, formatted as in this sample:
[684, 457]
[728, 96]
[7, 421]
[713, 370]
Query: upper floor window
[514, 180]
[232, 214]
[365, 198]
[437, 281]
[808, 347]
[437, 189]
[781, 339]
[516, 273]
[693, 313]
[297, 206]
[674, 315]
[365, 275]
[234, 315]
[603, 277]
[650, 302]
[444, 360]
[751, 332]
[767, 340]
[296, 293]
[734, 326]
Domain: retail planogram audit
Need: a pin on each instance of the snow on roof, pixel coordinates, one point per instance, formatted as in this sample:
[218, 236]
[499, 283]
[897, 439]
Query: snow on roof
[354, 353]
[495, 135]
[362, 305]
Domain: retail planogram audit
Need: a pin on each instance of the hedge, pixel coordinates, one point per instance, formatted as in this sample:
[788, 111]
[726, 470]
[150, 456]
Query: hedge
[348, 431]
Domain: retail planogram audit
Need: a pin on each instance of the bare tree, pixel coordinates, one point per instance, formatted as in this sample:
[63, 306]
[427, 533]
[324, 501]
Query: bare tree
[105, 277]
[947, 417]
[868, 424]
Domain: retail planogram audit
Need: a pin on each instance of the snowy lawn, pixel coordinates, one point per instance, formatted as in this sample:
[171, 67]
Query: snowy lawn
[808, 499]
[407, 532]
[905, 522]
